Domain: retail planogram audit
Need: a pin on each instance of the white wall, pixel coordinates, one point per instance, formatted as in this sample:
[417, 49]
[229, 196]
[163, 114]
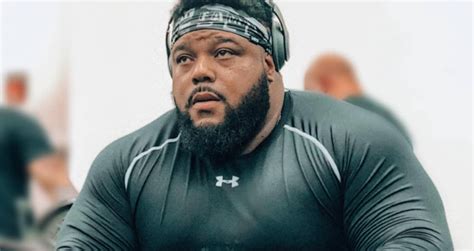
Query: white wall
[31, 42]
[119, 74]
[414, 57]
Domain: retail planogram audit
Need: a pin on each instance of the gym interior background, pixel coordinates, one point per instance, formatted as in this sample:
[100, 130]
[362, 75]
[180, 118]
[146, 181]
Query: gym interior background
[108, 61]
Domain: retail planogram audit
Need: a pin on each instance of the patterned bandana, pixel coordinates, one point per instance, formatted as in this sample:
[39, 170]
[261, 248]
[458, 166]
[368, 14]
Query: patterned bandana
[224, 18]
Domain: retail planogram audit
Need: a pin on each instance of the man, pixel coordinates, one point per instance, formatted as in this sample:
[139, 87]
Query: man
[24, 148]
[52, 175]
[333, 75]
[25, 153]
[243, 164]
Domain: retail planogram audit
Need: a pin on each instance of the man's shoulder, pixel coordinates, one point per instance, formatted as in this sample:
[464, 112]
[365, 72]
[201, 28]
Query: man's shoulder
[333, 117]
[163, 127]
[123, 150]
[323, 108]
[15, 117]
[23, 128]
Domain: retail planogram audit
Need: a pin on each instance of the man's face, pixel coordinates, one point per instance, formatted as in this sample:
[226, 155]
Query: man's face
[213, 70]
[221, 92]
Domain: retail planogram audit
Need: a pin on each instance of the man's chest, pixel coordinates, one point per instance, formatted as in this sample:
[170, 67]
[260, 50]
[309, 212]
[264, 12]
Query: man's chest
[276, 199]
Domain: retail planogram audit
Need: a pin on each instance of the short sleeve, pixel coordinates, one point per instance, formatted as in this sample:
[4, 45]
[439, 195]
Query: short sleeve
[30, 139]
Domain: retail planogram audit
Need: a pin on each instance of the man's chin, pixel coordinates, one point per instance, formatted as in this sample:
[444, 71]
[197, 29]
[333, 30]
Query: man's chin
[207, 122]
[206, 119]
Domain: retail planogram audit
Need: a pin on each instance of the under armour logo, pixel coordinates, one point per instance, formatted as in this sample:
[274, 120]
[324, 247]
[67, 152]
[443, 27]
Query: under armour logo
[233, 181]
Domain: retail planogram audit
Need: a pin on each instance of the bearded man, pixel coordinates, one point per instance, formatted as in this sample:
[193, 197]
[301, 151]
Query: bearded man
[242, 163]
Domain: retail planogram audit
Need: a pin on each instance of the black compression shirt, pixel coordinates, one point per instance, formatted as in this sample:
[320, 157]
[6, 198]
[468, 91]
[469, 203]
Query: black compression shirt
[329, 177]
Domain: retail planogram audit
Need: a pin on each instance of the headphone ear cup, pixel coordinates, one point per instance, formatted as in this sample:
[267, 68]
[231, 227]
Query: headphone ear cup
[278, 46]
[281, 52]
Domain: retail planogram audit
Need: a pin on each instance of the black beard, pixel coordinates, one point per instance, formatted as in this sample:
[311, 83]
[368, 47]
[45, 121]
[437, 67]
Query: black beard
[229, 138]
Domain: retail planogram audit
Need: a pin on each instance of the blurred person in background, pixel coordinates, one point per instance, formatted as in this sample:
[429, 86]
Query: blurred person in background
[25, 153]
[334, 75]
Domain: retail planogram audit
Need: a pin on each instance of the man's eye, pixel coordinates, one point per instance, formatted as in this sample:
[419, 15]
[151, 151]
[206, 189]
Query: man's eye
[182, 59]
[224, 52]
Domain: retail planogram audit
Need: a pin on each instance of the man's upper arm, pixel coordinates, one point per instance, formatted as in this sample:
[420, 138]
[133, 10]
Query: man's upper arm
[32, 146]
[101, 218]
[31, 139]
[389, 200]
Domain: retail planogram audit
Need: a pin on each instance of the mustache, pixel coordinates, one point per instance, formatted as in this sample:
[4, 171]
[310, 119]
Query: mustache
[203, 89]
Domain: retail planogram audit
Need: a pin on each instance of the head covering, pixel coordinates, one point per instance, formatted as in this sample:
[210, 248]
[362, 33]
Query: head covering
[220, 17]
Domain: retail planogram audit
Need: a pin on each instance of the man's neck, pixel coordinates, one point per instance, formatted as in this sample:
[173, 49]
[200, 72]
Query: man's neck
[277, 95]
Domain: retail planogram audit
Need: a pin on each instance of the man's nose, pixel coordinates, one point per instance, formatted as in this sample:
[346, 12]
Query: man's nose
[204, 71]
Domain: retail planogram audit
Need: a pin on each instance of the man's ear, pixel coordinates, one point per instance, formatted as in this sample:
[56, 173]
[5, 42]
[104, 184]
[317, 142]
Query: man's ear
[270, 69]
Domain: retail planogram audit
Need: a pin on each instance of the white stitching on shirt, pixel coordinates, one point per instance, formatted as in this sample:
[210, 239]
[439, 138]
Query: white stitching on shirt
[320, 146]
[141, 155]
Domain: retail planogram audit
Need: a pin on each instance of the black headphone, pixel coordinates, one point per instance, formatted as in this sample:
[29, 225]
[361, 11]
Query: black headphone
[280, 38]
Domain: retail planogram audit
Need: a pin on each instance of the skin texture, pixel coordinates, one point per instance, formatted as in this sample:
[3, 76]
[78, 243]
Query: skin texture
[333, 75]
[229, 66]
